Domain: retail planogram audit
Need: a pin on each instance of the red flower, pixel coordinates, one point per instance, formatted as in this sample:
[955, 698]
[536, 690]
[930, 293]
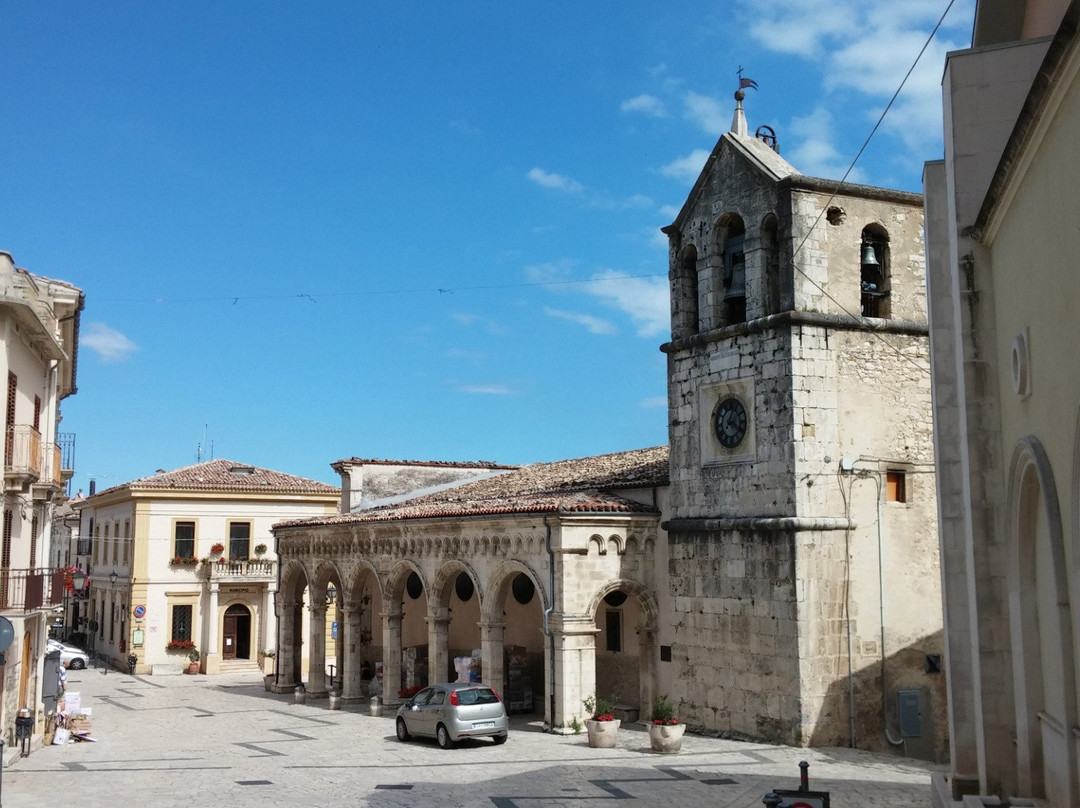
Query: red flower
[667, 722]
[605, 717]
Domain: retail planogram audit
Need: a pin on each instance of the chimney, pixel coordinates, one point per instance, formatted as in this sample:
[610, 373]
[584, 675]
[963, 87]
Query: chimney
[93, 487]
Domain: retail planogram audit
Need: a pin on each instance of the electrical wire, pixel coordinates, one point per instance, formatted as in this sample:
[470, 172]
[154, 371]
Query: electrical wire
[843, 182]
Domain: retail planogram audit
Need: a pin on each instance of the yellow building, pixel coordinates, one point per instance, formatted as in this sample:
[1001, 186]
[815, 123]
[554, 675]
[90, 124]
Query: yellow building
[184, 561]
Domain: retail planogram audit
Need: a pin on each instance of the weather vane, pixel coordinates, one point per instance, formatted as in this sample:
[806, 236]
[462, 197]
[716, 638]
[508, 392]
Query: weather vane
[744, 83]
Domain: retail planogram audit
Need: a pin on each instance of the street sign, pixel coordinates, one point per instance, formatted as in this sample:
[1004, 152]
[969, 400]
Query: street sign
[139, 611]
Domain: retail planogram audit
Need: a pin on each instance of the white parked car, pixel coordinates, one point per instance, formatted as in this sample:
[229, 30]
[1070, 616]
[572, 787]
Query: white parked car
[70, 656]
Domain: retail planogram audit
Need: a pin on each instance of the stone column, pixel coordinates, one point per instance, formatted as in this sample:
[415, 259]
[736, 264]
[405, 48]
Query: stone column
[353, 686]
[647, 657]
[575, 665]
[288, 647]
[316, 686]
[211, 658]
[391, 682]
[492, 658]
[438, 645]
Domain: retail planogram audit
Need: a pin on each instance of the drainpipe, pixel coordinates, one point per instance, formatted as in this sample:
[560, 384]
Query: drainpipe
[547, 615]
[881, 614]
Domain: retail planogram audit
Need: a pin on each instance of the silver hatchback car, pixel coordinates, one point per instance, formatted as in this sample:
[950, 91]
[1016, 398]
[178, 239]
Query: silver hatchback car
[453, 711]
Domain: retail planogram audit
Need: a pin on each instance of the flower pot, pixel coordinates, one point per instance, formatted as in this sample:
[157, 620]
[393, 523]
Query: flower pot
[602, 734]
[193, 667]
[666, 738]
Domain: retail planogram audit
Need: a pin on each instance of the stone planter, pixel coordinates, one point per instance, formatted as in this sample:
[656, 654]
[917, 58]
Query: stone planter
[602, 734]
[192, 668]
[666, 738]
[268, 682]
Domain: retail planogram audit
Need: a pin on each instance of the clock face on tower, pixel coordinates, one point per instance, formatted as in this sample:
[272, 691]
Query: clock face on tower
[730, 422]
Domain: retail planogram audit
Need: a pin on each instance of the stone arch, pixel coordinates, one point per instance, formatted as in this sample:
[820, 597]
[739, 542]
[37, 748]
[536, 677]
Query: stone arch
[598, 541]
[498, 585]
[727, 265]
[684, 297]
[443, 583]
[1041, 625]
[875, 277]
[770, 265]
[615, 672]
[295, 579]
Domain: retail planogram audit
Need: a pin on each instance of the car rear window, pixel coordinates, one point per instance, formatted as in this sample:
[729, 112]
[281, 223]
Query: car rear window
[477, 695]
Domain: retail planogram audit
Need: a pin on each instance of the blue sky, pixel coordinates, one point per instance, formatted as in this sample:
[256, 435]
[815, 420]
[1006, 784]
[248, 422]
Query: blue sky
[411, 230]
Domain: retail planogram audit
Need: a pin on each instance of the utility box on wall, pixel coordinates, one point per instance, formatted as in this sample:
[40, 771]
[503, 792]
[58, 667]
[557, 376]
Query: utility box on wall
[909, 707]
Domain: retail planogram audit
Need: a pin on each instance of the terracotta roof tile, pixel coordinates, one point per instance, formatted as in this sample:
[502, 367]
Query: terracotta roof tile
[225, 475]
[585, 484]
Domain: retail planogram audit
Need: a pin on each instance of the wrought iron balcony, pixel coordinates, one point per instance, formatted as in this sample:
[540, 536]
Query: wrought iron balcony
[29, 590]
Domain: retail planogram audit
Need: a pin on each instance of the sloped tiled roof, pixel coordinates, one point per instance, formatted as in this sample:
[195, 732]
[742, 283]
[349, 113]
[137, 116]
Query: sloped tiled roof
[586, 484]
[226, 475]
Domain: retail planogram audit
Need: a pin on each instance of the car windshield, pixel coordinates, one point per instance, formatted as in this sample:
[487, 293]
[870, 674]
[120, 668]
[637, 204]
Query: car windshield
[477, 695]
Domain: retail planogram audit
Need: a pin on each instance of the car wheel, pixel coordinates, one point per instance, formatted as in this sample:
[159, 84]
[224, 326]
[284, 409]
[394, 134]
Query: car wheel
[402, 730]
[499, 739]
[443, 737]
[77, 664]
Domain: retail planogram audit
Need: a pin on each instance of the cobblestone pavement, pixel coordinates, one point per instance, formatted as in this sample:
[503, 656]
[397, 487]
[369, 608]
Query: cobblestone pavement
[223, 740]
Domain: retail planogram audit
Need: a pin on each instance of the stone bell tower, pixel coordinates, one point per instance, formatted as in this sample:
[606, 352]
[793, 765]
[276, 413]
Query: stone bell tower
[802, 526]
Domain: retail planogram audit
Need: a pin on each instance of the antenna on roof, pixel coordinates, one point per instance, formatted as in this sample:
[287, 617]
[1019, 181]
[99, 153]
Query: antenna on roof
[199, 448]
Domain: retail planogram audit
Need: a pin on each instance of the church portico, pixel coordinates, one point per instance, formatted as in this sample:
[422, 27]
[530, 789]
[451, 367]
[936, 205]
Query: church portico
[515, 600]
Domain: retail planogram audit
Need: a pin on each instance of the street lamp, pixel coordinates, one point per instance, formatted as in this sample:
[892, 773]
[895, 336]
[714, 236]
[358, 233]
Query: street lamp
[331, 594]
[78, 580]
[113, 578]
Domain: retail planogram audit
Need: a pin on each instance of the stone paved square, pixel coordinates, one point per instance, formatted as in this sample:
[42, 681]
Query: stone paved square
[223, 740]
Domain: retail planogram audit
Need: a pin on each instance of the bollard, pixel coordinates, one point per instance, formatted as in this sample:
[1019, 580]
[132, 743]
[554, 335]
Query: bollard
[300, 695]
[376, 706]
[335, 700]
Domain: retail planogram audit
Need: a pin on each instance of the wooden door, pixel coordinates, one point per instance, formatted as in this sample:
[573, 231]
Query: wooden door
[228, 648]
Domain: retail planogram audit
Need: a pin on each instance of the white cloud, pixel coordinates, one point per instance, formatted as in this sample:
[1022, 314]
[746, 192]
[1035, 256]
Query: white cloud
[708, 113]
[556, 182]
[865, 48]
[686, 168]
[816, 153]
[470, 320]
[108, 343]
[550, 272]
[646, 104]
[486, 389]
[644, 299]
[594, 324]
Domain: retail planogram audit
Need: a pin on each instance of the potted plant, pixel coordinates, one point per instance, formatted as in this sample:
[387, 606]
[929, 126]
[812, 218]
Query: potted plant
[217, 548]
[601, 725]
[193, 661]
[665, 731]
[260, 550]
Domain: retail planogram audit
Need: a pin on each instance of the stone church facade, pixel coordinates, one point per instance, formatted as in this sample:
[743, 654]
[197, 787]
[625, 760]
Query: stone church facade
[774, 571]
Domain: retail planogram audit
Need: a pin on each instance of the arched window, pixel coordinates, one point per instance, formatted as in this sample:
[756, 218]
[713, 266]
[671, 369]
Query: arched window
[684, 298]
[771, 242]
[730, 236]
[874, 274]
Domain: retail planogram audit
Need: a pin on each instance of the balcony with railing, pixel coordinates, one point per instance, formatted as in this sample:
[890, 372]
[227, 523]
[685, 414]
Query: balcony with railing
[29, 590]
[66, 442]
[251, 570]
[22, 457]
[51, 480]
